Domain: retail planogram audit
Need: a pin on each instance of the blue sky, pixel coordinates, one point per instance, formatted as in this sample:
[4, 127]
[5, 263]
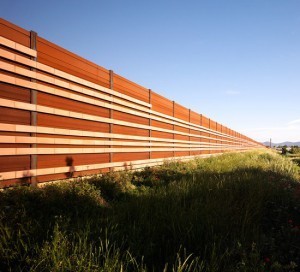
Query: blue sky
[235, 61]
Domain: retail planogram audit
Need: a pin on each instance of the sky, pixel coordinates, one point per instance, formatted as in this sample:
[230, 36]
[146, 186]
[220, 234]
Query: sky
[235, 61]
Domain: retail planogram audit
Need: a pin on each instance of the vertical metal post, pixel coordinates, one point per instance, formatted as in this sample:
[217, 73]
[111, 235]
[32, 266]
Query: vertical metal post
[150, 125]
[111, 114]
[33, 114]
[240, 140]
[173, 129]
[201, 133]
[190, 131]
[209, 135]
[222, 138]
[217, 137]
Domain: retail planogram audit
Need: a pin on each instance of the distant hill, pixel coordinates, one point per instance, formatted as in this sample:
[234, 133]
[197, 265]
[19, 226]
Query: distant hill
[281, 144]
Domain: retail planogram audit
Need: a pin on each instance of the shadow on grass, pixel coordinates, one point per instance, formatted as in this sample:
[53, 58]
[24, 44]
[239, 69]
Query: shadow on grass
[76, 202]
[225, 219]
[209, 213]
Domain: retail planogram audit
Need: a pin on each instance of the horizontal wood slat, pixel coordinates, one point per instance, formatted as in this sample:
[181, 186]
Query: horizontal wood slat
[18, 47]
[82, 133]
[96, 117]
[116, 165]
[55, 111]
[24, 83]
[168, 119]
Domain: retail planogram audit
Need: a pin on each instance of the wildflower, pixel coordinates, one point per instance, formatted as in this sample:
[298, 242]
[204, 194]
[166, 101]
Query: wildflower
[267, 260]
[290, 221]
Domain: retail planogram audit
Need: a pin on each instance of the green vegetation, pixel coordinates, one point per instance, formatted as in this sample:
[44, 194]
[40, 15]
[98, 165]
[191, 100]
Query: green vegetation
[293, 153]
[234, 212]
[295, 150]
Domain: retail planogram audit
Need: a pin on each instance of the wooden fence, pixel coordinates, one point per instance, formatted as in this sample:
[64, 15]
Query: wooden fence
[63, 116]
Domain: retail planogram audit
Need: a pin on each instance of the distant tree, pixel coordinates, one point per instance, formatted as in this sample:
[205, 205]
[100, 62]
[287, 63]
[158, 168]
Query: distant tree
[295, 149]
[284, 150]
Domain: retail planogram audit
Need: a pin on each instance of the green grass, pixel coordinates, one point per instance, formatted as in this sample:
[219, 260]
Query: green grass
[294, 157]
[234, 212]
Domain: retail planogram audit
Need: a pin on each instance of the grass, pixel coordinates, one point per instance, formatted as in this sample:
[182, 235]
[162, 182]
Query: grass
[234, 212]
[294, 155]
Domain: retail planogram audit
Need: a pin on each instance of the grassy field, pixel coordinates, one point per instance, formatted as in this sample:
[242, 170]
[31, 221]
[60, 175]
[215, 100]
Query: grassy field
[234, 212]
[295, 158]
[294, 155]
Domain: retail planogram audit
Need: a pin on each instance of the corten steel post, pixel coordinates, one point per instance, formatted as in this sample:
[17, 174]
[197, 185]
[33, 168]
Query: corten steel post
[217, 138]
[190, 132]
[33, 114]
[236, 141]
[209, 135]
[173, 129]
[222, 138]
[150, 124]
[111, 114]
[201, 133]
[241, 138]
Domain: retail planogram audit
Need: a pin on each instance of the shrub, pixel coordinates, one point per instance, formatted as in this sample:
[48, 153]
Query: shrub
[113, 185]
[295, 150]
[234, 212]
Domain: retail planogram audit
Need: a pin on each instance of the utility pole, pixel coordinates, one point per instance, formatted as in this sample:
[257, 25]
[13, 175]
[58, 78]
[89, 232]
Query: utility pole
[270, 143]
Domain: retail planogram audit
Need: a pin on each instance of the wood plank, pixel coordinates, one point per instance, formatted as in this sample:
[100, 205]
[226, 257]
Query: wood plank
[15, 33]
[130, 88]
[47, 120]
[14, 163]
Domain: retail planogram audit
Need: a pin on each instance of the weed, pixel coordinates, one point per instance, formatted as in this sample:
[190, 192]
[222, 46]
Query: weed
[234, 212]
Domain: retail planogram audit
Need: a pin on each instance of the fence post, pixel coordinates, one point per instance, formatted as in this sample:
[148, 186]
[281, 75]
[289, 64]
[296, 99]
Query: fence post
[150, 124]
[173, 129]
[235, 139]
[33, 114]
[201, 134]
[190, 132]
[111, 115]
[222, 138]
[209, 135]
[217, 138]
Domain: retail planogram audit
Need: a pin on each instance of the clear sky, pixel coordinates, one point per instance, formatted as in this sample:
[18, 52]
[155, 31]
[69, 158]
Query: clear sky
[235, 61]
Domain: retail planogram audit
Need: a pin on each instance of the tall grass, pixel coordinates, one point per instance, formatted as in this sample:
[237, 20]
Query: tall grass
[234, 212]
